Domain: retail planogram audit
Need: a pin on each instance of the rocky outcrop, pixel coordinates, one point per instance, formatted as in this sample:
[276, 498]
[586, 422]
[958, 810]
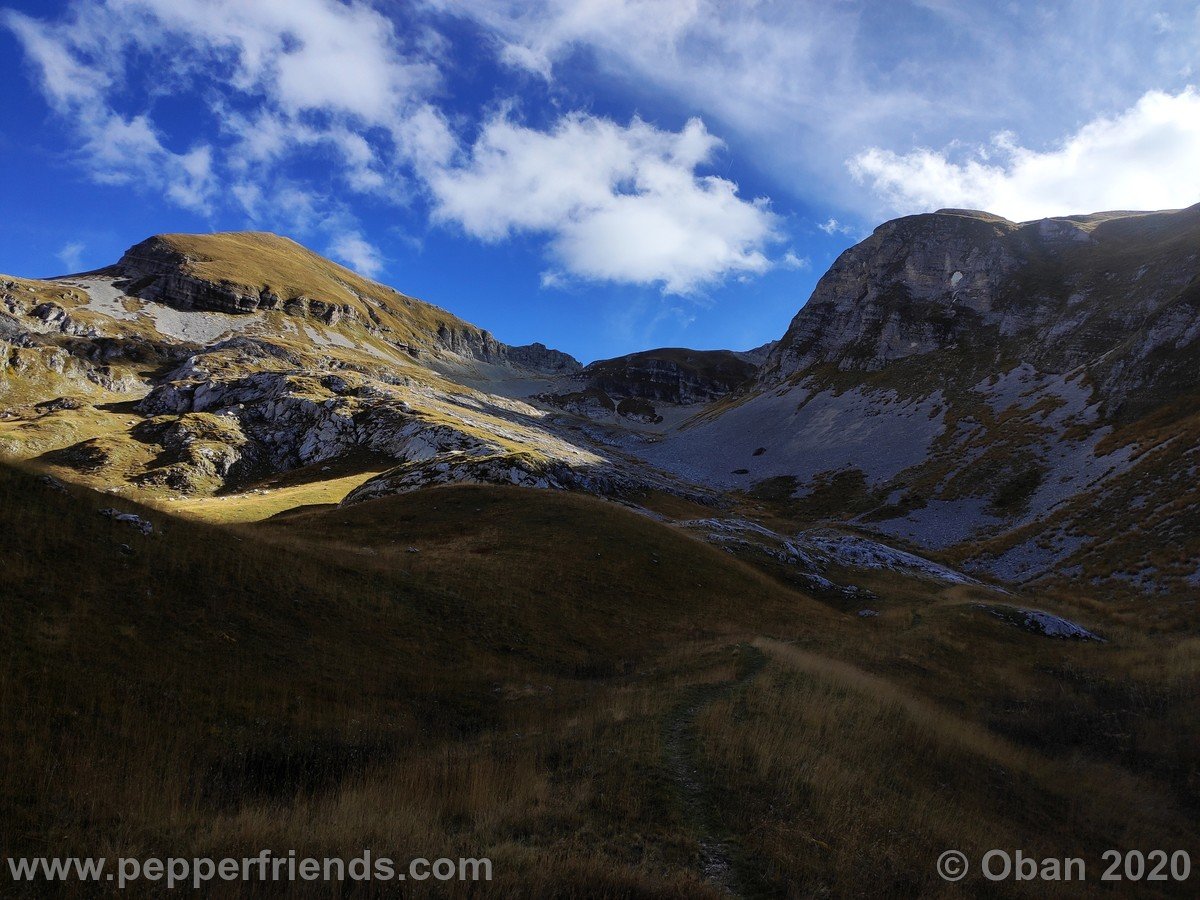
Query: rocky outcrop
[214, 422]
[155, 270]
[200, 452]
[758, 355]
[627, 387]
[145, 526]
[671, 375]
[539, 358]
[297, 421]
[914, 286]
[518, 469]
[470, 342]
[476, 344]
[1057, 293]
[41, 341]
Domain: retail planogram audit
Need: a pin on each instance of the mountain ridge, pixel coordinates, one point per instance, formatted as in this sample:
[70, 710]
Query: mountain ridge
[977, 385]
[249, 272]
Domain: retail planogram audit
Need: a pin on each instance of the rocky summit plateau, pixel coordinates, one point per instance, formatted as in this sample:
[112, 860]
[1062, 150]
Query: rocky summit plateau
[1017, 398]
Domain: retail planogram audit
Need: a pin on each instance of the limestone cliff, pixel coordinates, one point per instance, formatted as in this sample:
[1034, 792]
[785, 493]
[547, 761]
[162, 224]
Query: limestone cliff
[245, 273]
[671, 375]
[974, 383]
[1114, 292]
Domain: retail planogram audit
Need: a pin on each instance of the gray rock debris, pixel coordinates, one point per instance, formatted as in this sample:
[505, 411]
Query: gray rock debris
[145, 526]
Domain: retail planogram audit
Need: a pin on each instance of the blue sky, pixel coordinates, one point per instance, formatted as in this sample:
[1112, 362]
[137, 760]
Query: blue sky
[600, 175]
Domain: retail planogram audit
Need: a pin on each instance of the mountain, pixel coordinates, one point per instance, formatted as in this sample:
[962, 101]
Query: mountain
[199, 362]
[1022, 397]
[672, 375]
[999, 393]
[294, 560]
[628, 387]
[254, 272]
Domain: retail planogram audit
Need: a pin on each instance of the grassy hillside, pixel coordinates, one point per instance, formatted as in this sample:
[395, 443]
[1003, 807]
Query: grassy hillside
[252, 261]
[600, 702]
[558, 683]
[217, 688]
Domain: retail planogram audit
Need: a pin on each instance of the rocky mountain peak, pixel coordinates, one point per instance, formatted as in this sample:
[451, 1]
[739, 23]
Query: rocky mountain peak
[540, 358]
[971, 214]
[672, 374]
[251, 272]
[956, 379]
[899, 292]
[1058, 292]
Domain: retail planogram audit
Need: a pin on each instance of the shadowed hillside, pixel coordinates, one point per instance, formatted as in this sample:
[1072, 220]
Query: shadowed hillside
[292, 560]
[442, 673]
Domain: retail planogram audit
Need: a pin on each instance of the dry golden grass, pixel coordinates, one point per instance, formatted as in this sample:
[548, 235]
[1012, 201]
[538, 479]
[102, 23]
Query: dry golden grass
[306, 682]
[842, 783]
[321, 484]
[216, 690]
[257, 259]
[32, 291]
[254, 260]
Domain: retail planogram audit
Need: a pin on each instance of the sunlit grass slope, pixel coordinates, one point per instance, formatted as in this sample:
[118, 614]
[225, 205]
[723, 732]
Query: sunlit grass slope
[252, 261]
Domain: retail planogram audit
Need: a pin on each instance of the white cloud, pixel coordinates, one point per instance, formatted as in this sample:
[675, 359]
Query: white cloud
[537, 34]
[318, 73]
[793, 261]
[302, 55]
[357, 253]
[250, 197]
[67, 81]
[624, 204]
[618, 203]
[1147, 157]
[266, 138]
[832, 226]
[804, 85]
[426, 139]
[295, 209]
[115, 148]
[71, 256]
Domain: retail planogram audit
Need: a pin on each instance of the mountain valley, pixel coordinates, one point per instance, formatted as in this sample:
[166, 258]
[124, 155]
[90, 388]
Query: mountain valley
[678, 623]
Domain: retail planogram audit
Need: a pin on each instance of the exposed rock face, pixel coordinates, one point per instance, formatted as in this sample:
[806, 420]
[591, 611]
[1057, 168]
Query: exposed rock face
[521, 470]
[295, 422]
[966, 381]
[470, 342]
[157, 271]
[1039, 622]
[758, 355]
[913, 287]
[538, 357]
[476, 344]
[671, 375]
[132, 519]
[216, 426]
[42, 341]
[590, 403]
[1058, 294]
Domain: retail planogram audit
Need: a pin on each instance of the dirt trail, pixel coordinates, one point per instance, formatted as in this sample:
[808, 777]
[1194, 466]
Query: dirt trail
[718, 855]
